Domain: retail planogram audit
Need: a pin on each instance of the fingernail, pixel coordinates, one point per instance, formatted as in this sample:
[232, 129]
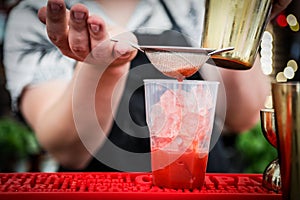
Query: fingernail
[79, 15]
[95, 28]
[55, 7]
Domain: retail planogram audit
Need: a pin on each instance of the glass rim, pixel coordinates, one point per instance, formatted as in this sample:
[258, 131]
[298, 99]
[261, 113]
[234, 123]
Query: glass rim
[174, 81]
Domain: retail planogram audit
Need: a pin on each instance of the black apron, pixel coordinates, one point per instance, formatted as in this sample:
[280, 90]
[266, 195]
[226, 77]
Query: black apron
[137, 140]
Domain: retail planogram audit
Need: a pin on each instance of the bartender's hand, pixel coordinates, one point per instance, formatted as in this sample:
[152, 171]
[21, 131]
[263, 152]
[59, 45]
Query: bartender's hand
[83, 37]
[278, 6]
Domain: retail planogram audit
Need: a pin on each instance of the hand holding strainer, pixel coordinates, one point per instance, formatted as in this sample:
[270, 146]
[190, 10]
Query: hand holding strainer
[177, 62]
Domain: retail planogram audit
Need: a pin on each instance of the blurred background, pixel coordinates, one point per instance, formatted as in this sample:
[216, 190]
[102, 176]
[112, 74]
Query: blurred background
[280, 57]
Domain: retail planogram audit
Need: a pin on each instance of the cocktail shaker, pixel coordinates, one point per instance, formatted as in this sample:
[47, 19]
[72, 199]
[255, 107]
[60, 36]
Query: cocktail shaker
[235, 23]
[286, 101]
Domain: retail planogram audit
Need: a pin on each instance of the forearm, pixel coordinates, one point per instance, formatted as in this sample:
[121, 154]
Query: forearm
[62, 122]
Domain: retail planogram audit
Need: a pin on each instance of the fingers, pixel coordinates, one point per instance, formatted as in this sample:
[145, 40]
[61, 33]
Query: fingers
[67, 30]
[97, 30]
[79, 35]
[42, 14]
[123, 51]
[101, 45]
[56, 21]
[57, 25]
[123, 47]
[79, 39]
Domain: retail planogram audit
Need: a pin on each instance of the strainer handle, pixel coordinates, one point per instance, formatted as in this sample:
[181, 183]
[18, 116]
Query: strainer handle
[221, 50]
[134, 45]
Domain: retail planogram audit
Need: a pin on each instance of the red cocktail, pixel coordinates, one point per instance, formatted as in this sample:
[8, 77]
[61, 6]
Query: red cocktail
[186, 172]
[180, 118]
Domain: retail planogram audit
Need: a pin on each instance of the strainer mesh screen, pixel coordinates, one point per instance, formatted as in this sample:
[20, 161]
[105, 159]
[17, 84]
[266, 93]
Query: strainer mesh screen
[167, 61]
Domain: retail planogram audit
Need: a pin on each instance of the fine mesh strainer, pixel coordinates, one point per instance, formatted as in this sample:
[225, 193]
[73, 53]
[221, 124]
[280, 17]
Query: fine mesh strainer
[177, 62]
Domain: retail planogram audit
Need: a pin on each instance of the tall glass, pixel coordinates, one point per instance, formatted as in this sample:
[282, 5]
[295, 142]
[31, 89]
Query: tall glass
[180, 118]
[235, 23]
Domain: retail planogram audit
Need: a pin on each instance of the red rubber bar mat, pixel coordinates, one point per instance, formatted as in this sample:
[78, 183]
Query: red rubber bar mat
[127, 186]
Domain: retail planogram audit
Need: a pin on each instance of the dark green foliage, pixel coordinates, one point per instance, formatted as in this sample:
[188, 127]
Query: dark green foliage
[258, 153]
[16, 140]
